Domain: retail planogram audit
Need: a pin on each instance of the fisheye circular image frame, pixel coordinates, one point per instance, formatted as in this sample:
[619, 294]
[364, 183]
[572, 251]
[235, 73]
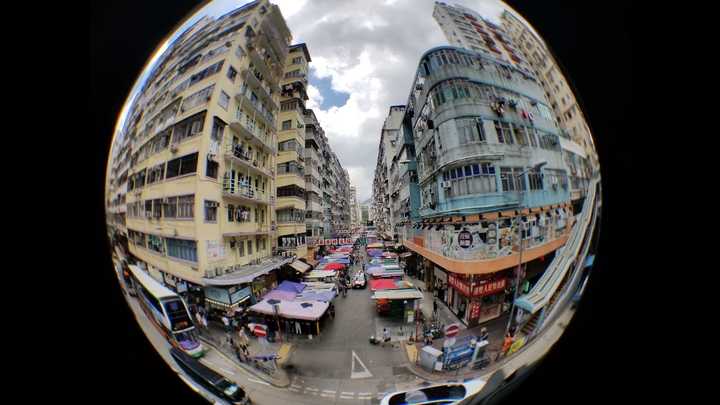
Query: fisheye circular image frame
[311, 203]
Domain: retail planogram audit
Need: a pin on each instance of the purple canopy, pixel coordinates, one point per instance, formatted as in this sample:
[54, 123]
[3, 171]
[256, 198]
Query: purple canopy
[324, 296]
[282, 295]
[375, 252]
[290, 286]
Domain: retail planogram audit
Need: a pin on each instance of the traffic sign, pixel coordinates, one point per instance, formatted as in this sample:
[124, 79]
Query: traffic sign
[452, 330]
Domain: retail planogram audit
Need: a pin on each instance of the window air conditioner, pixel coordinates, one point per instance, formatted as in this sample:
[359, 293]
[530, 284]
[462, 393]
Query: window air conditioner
[446, 184]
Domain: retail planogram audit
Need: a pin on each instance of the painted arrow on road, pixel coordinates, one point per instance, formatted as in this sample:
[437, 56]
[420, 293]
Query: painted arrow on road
[358, 374]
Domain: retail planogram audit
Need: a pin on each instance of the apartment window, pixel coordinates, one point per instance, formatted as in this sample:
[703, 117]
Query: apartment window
[250, 246]
[241, 248]
[520, 134]
[212, 168]
[185, 205]
[181, 166]
[155, 243]
[188, 127]
[231, 213]
[157, 208]
[232, 74]
[224, 100]
[535, 179]
[510, 180]
[504, 133]
[211, 211]
[289, 105]
[207, 72]
[148, 208]
[298, 59]
[531, 135]
[286, 125]
[155, 173]
[217, 129]
[197, 99]
[182, 249]
[470, 130]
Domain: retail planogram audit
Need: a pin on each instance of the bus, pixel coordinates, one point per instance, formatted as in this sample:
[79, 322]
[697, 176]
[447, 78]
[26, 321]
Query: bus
[167, 311]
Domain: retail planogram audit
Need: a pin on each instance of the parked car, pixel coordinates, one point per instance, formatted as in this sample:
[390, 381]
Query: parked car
[359, 281]
[441, 394]
[209, 379]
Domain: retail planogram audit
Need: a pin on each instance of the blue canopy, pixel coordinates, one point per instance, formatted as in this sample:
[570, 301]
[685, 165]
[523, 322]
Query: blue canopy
[324, 296]
[291, 286]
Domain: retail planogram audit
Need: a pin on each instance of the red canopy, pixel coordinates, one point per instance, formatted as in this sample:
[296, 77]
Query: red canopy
[334, 266]
[383, 284]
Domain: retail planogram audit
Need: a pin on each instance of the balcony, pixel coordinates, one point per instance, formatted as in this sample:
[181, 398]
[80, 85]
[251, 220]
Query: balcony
[249, 131]
[236, 154]
[243, 193]
[264, 91]
[252, 229]
[265, 116]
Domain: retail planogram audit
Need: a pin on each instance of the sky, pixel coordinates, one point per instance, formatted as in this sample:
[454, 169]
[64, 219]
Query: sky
[364, 55]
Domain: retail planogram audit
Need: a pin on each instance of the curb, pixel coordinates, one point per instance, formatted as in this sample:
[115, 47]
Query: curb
[251, 370]
[440, 377]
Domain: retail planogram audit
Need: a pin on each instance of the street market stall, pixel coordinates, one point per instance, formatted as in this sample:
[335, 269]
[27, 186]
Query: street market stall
[398, 303]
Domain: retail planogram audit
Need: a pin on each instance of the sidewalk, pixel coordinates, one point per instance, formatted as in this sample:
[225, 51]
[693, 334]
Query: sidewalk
[216, 337]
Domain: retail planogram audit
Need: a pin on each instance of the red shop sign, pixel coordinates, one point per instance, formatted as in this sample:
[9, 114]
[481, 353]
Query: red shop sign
[457, 283]
[475, 310]
[489, 288]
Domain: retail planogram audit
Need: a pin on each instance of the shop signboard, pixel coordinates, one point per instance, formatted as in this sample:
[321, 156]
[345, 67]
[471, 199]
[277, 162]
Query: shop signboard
[334, 241]
[217, 294]
[181, 287]
[489, 288]
[474, 310]
[240, 294]
[459, 285]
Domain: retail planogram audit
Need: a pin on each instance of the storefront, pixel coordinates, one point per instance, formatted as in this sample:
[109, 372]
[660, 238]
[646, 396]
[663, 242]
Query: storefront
[262, 284]
[476, 300]
[233, 298]
[440, 283]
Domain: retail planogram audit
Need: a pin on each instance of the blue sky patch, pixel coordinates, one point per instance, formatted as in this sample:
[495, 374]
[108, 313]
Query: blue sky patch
[331, 98]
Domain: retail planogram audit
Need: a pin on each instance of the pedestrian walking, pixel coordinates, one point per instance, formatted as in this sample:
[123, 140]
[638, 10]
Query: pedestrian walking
[298, 328]
[386, 336]
[226, 322]
[435, 307]
[507, 343]
[199, 317]
[484, 334]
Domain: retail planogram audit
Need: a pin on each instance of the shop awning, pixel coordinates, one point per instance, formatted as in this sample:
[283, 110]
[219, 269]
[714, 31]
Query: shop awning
[300, 266]
[291, 286]
[400, 294]
[280, 295]
[375, 245]
[405, 255]
[247, 273]
[304, 310]
[382, 284]
[321, 274]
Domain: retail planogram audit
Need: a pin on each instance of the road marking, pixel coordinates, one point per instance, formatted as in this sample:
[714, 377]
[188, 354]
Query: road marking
[364, 393]
[328, 395]
[347, 397]
[258, 381]
[296, 386]
[311, 389]
[294, 389]
[359, 397]
[360, 374]
[347, 393]
[329, 392]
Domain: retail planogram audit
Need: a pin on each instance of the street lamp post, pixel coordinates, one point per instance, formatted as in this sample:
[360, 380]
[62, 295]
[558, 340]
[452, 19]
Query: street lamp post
[535, 167]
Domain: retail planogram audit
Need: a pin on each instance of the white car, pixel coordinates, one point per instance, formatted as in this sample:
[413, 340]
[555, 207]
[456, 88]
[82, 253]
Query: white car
[439, 394]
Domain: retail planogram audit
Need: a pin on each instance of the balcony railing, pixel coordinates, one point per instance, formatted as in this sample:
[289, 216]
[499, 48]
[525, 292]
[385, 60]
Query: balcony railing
[243, 192]
[238, 154]
[244, 98]
[248, 129]
[263, 90]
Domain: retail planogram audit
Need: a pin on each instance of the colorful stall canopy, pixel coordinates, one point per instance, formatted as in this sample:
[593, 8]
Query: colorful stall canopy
[291, 286]
[304, 310]
[282, 295]
[324, 296]
[375, 245]
[333, 266]
[382, 284]
[390, 255]
[375, 252]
